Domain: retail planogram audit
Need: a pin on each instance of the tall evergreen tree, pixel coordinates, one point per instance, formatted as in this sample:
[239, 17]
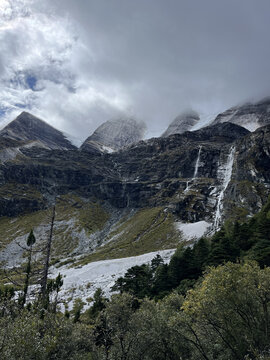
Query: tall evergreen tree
[29, 242]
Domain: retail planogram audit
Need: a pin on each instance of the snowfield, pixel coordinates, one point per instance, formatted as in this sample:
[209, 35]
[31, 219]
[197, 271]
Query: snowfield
[82, 282]
[193, 230]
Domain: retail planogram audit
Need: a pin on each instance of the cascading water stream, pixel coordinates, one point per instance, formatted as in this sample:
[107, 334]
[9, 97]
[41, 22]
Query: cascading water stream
[197, 164]
[195, 169]
[225, 183]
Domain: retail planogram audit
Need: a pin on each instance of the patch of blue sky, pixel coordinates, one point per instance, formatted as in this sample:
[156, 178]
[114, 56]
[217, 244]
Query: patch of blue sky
[31, 81]
[21, 106]
[25, 80]
[2, 111]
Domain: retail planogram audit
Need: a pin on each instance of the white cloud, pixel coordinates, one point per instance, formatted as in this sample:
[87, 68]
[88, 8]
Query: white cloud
[42, 61]
[78, 63]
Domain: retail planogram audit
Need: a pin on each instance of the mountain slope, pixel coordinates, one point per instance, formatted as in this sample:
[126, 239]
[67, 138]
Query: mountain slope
[183, 122]
[27, 128]
[114, 135]
[141, 194]
[250, 115]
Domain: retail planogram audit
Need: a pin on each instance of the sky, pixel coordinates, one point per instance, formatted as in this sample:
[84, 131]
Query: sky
[78, 63]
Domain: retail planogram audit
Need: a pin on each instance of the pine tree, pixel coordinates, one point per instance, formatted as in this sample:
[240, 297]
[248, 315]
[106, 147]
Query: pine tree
[29, 242]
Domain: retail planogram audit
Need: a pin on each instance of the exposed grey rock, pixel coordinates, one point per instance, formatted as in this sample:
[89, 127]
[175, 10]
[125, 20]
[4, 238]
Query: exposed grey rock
[250, 115]
[183, 122]
[149, 173]
[27, 128]
[114, 135]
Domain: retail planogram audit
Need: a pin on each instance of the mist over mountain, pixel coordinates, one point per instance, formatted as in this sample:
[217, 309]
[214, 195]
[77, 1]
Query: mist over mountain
[114, 135]
[249, 115]
[182, 123]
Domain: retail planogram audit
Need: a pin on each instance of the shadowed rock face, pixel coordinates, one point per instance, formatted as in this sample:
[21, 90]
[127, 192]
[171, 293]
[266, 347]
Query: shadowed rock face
[149, 173]
[183, 122]
[114, 135]
[251, 116]
[156, 172]
[28, 128]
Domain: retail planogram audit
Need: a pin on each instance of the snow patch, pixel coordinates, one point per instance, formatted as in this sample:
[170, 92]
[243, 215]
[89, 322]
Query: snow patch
[193, 230]
[82, 282]
[107, 149]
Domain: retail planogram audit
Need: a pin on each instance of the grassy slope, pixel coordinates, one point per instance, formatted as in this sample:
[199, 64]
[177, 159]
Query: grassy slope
[149, 229]
[141, 231]
[73, 215]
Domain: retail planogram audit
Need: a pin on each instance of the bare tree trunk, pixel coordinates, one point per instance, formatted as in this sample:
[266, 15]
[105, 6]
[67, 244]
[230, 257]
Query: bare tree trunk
[27, 278]
[47, 260]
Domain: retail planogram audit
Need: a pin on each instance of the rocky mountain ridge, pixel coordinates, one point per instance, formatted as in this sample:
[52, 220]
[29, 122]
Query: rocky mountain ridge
[129, 202]
[29, 130]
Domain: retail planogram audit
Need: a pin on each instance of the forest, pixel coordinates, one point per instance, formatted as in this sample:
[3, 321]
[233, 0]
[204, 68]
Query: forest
[212, 301]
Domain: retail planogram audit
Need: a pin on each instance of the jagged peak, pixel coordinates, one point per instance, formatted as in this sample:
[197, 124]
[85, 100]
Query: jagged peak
[27, 127]
[25, 118]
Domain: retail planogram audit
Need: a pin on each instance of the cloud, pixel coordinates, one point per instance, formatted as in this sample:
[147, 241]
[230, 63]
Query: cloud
[79, 63]
[42, 72]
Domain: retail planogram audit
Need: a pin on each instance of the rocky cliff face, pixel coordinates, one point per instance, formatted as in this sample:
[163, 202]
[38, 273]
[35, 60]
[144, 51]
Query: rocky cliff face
[154, 172]
[32, 131]
[218, 172]
[183, 122]
[114, 135]
[250, 115]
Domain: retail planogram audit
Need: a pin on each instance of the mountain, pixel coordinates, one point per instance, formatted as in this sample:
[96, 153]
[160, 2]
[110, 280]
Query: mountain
[183, 122]
[149, 196]
[136, 200]
[250, 115]
[30, 130]
[114, 135]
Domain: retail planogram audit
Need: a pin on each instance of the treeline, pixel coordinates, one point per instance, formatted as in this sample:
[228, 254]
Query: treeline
[234, 242]
[225, 317]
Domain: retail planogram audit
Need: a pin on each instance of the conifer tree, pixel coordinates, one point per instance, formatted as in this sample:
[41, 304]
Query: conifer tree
[29, 242]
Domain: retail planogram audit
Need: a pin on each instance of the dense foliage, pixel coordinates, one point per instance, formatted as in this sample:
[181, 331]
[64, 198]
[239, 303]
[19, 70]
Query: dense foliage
[224, 317]
[211, 302]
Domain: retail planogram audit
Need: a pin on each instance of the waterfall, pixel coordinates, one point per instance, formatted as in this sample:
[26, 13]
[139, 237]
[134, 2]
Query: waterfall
[197, 164]
[226, 180]
[195, 169]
